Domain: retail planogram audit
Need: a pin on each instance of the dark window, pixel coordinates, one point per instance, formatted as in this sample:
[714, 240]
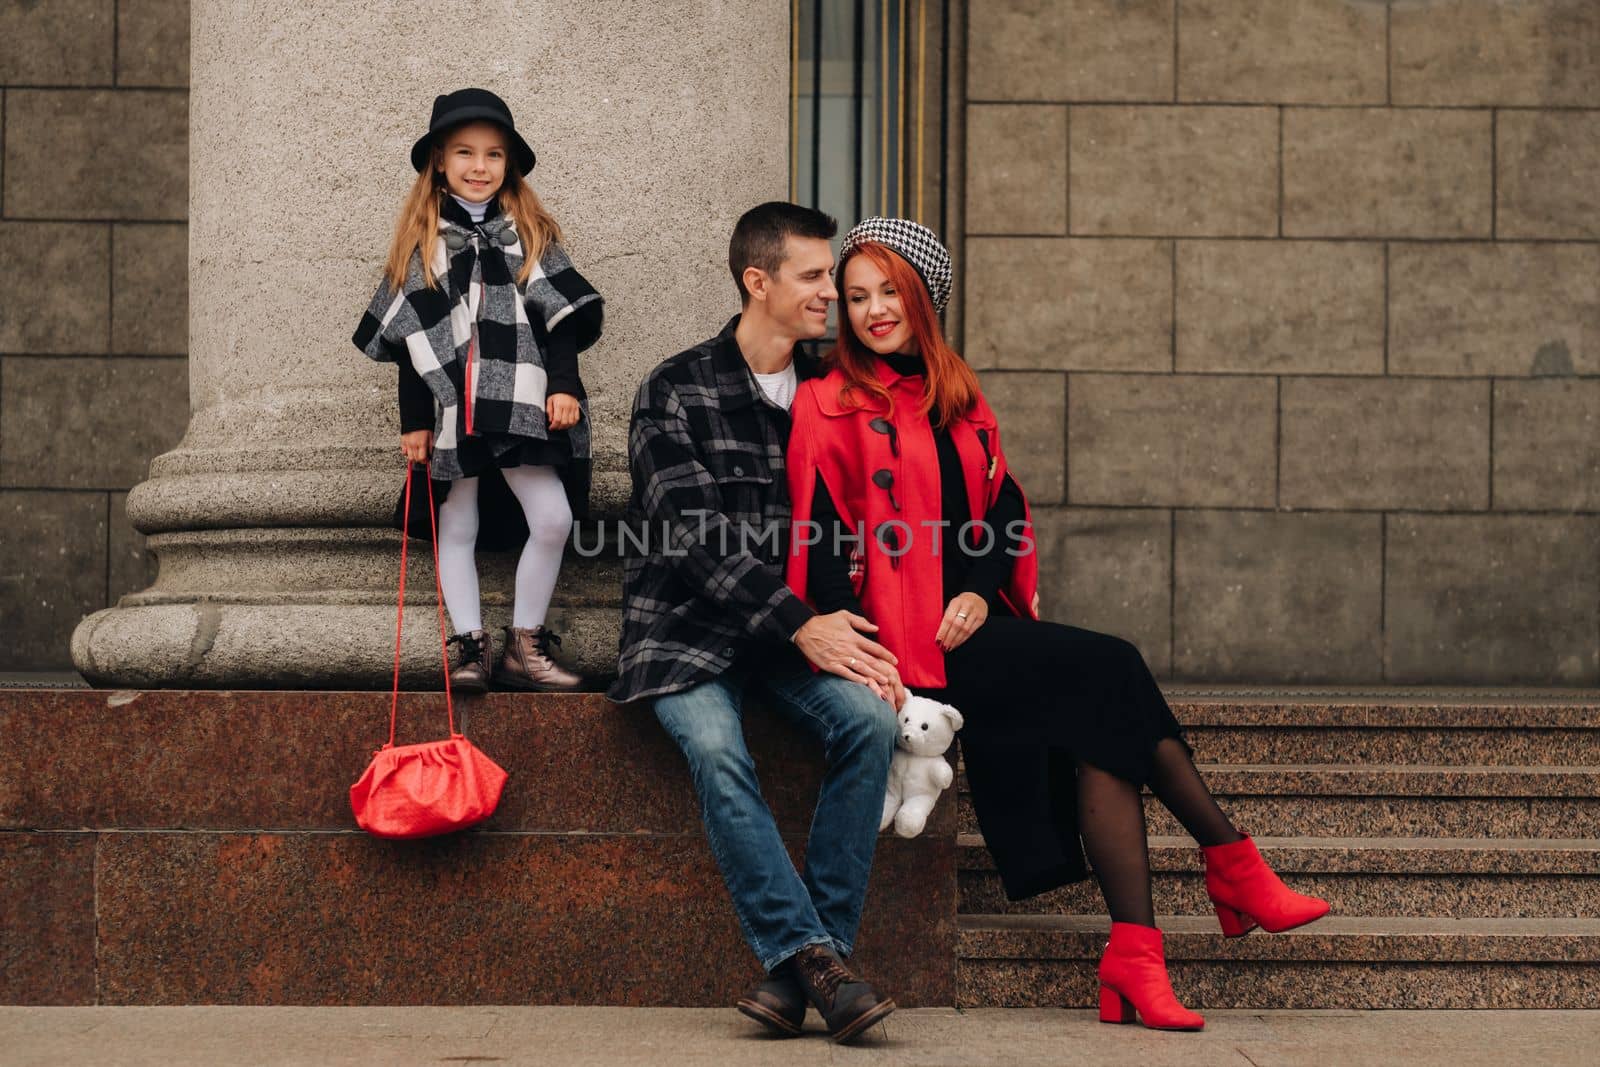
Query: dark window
[867, 109]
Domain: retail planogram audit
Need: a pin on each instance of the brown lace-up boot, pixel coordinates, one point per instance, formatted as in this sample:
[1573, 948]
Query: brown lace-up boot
[471, 673]
[846, 1003]
[778, 1003]
[526, 662]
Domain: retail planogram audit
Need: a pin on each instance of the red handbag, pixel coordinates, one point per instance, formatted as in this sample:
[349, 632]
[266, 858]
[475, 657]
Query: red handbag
[437, 786]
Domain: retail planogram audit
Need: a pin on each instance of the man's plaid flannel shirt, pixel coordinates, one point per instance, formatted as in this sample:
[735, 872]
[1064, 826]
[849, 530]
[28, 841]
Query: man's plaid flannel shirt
[705, 448]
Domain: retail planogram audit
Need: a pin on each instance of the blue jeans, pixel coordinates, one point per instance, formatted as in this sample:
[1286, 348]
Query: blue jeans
[781, 910]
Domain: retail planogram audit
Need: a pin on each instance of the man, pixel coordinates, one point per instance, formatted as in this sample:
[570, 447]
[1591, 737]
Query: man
[707, 620]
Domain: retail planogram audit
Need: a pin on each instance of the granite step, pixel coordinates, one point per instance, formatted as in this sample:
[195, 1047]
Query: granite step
[181, 870]
[1404, 734]
[1324, 800]
[1407, 876]
[172, 847]
[1353, 962]
[1303, 745]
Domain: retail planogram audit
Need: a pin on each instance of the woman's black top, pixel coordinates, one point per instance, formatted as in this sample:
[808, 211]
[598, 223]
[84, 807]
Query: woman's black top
[981, 567]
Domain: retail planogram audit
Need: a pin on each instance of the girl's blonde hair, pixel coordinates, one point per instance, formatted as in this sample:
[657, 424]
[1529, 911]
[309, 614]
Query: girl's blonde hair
[418, 224]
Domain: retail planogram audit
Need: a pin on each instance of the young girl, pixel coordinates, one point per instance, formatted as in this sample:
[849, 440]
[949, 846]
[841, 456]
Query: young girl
[485, 316]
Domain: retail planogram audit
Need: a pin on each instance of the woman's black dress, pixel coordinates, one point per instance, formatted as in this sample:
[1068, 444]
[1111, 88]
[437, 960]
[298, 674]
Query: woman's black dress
[1037, 696]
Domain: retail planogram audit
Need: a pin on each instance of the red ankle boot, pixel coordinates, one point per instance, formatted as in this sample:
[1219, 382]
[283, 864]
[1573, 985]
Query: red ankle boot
[1133, 976]
[1246, 893]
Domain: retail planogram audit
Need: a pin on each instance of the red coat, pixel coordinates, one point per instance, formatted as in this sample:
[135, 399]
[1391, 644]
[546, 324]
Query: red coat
[905, 601]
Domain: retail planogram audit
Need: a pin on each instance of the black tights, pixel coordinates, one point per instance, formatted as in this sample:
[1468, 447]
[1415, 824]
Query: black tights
[1111, 823]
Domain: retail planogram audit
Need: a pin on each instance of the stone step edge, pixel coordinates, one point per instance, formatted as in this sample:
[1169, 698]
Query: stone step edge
[1366, 855]
[1358, 938]
[1311, 717]
[1246, 692]
[1201, 706]
[1413, 780]
[1492, 769]
[1394, 780]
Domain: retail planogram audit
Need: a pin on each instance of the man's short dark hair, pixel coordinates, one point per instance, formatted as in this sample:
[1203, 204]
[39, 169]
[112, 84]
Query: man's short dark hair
[758, 238]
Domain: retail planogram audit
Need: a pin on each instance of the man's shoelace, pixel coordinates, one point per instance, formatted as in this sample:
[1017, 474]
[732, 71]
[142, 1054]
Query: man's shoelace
[824, 972]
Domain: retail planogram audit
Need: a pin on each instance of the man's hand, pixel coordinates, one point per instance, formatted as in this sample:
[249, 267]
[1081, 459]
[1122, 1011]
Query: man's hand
[836, 643]
[561, 411]
[417, 445]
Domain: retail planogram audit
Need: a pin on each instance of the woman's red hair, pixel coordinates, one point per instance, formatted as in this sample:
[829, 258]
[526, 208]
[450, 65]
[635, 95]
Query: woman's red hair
[951, 387]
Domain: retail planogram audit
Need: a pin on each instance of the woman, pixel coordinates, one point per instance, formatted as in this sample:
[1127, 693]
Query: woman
[893, 454]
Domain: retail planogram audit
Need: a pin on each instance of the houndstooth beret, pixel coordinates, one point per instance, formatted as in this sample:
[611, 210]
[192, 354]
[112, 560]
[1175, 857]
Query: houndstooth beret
[914, 243]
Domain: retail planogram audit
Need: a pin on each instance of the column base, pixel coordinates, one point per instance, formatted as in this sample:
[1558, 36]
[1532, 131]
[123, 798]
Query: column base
[315, 608]
[232, 645]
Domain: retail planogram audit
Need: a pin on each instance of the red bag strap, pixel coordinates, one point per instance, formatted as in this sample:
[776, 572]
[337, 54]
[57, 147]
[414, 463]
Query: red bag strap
[400, 614]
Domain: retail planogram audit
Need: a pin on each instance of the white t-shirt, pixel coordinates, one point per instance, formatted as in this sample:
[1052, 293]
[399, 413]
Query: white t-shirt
[779, 387]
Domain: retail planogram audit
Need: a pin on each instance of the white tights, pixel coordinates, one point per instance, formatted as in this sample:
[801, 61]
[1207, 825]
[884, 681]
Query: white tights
[544, 503]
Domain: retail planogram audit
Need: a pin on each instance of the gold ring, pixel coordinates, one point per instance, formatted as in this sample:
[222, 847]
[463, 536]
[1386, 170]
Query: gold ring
[961, 614]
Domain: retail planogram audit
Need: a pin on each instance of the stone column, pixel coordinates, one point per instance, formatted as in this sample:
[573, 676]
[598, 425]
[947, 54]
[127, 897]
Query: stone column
[655, 126]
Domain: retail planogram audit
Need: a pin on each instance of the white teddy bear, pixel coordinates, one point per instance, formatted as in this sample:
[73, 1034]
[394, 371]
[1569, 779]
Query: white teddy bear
[918, 772]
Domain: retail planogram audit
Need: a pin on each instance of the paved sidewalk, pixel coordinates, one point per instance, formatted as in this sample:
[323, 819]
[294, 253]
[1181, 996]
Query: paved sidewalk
[654, 1037]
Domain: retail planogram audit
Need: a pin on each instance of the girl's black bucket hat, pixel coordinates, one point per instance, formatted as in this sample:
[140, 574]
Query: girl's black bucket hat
[471, 105]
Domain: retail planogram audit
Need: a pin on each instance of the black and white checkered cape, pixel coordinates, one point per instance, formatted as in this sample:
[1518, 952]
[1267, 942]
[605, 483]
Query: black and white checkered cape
[479, 306]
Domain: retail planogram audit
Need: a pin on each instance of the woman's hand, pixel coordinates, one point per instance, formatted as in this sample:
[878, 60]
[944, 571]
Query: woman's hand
[561, 410]
[961, 620]
[1036, 605]
[417, 445]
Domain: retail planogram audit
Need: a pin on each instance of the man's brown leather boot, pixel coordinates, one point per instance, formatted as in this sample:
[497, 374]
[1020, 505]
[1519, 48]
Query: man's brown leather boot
[846, 1003]
[778, 1003]
[471, 674]
[526, 662]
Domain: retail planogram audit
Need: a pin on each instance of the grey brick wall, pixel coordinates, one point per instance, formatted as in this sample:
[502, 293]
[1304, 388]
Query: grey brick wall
[93, 310]
[1293, 310]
